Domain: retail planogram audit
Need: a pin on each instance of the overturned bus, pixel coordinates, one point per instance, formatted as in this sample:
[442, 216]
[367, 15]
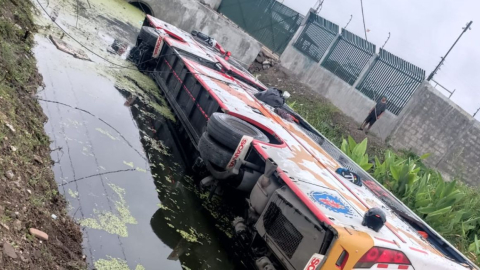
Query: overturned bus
[308, 205]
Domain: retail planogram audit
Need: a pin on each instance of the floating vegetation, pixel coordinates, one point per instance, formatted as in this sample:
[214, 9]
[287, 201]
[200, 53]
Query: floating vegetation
[140, 169]
[163, 207]
[114, 264]
[104, 132]
[73, 194]
[130, 164]
[190, 237]
[170, 225]
[168, 179]
[185, 267]
[111, 263]
[145, 89]
[110, 222]
[158, 146]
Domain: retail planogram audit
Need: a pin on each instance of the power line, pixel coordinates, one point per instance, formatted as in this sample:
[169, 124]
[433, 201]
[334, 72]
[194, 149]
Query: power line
[443, 58]
[363, 16]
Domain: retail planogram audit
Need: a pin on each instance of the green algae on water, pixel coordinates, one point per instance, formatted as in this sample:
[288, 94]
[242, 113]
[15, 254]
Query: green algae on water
[110, 264]
[114, 223]
[104, 132]
[141, 169]
[114, 264]
[130, 164]
[73, 194]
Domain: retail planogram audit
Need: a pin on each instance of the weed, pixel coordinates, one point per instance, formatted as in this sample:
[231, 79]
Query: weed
[5, 219]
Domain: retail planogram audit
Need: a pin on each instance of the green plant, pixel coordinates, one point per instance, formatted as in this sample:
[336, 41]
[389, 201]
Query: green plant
[357, 152]
[451, 208]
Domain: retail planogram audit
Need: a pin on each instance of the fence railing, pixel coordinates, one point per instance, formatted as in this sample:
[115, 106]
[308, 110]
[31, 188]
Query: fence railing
[349, 56]
[268, 21]
[316, 37]
[354, 60]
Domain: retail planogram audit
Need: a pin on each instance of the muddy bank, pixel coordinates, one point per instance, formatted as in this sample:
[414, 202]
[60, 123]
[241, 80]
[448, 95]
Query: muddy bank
[29, 196]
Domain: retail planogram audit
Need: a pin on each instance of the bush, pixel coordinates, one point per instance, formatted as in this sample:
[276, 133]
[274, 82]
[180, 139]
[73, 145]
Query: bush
[451, 208]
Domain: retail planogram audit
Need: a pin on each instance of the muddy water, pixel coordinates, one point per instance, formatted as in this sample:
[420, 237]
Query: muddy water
[138, 207]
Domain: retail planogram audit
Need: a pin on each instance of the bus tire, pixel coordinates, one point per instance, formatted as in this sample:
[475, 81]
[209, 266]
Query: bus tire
[214, 152]
[229, 130]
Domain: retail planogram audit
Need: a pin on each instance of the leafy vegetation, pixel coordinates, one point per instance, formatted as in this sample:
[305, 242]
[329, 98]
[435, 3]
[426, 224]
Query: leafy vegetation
[451, 208]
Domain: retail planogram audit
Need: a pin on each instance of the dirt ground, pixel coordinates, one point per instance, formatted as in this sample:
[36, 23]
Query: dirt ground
[320, 112]
[29, 195]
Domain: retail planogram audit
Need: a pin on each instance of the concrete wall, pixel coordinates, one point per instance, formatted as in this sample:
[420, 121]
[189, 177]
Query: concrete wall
[192, 15]
[213, 4]
[348, 99]
[434, 124]
[429, 123]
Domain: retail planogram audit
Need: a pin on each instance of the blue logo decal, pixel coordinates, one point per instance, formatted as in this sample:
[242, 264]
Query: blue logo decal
[331, 202]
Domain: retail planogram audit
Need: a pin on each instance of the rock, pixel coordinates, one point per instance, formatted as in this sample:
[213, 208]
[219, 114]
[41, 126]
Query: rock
[17, 225]
[13, 148]
[38, 234]
[266, 62]
[9, 174]
[260, 58]
[37, 159]
[17, 214]
[29, 191]
[9, 251]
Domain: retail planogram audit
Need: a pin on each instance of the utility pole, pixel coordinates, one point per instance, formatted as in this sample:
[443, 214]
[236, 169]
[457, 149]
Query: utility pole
[476, 112]
[363, 17]
[318, 6]
[443, 58]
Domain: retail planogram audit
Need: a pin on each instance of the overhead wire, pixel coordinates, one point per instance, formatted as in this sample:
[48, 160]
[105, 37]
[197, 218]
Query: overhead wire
[363, 17]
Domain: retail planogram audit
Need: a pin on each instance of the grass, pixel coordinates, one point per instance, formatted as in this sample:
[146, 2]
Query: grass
[22, 138]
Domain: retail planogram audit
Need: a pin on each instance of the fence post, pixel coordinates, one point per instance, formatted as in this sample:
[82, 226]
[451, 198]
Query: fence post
[366, 70]
[330, 48]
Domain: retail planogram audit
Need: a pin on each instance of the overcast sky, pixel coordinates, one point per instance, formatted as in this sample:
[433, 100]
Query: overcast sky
[421, 32]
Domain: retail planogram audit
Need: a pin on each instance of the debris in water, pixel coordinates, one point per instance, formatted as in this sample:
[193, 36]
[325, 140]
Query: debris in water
[110, 222]
[73, 194]
[67, 48]
[118, 47]
[170, 225]
[104, 132]
[130, 164]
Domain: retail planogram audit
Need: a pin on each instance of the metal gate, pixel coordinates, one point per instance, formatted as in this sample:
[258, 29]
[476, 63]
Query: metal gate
[316, 37]
[268, 21]
[394, 78]
[348, 56]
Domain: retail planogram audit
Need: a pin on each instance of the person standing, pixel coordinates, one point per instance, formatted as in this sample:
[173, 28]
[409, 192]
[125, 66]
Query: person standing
[374, 115]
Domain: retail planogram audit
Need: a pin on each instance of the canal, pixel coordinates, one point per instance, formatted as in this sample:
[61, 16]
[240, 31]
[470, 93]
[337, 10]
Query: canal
[121, 163]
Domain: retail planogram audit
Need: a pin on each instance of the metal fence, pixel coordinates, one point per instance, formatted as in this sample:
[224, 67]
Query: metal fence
[349, 56]
[268, 21]
[393, 77]
[316, 37]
